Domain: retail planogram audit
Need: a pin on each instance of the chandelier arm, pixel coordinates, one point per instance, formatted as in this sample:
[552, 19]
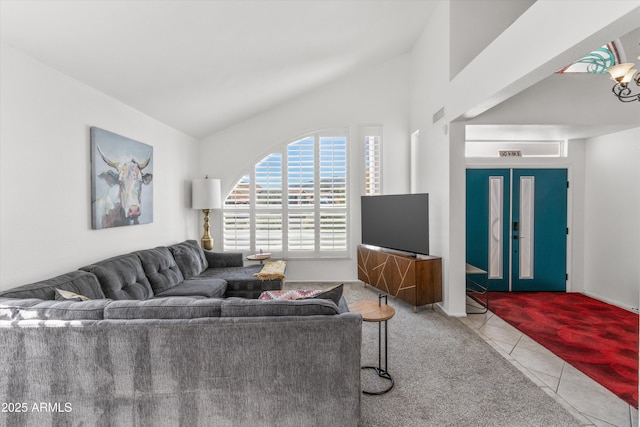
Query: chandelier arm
[623, 92]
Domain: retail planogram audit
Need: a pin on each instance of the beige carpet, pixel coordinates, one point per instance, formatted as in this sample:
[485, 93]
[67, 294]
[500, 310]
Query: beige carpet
[445, 375]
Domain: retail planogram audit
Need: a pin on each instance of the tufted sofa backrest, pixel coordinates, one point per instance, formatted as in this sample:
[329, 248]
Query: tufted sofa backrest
[190, 258]
[122, 277]
[79, 282]
[160, 268]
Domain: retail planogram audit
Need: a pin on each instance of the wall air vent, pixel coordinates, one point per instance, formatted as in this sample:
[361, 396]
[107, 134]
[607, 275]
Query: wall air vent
[438, 115]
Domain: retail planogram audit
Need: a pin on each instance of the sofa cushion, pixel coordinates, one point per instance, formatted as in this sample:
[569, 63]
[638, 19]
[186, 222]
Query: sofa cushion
[241, 281]
[204, 287]
[223, 259]
[37, 309]
[240, 307]
[190, 258]
[160, 268]
[79, 282]
[122, 277]
[164, 308]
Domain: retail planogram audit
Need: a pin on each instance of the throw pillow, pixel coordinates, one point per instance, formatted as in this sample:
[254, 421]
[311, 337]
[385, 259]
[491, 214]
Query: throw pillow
[334, 294]
[288, 295]
[62, 295]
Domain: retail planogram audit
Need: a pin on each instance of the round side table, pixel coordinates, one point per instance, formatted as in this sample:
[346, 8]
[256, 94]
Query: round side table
[372, 311]
[259, 257]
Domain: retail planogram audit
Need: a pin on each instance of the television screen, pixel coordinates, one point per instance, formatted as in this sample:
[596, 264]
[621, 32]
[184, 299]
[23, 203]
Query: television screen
[399, 221]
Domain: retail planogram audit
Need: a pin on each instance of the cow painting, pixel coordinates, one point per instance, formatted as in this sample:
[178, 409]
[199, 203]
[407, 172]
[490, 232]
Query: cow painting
[119, 195]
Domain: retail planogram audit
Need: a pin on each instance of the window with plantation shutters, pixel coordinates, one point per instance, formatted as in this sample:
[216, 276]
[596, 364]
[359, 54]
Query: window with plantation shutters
[373, 162]
[294, 203]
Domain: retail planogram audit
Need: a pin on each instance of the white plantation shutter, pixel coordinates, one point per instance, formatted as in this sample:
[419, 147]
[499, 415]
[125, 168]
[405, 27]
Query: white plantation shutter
[268, 204]
[333, 171]
[333, 231]
[301, 231]
[373, 164]
[239, 197]
[237, 231]
[294, 204]
[269, 182]
[333, 193]
[268, 232]
[236, 217]
[301, 173]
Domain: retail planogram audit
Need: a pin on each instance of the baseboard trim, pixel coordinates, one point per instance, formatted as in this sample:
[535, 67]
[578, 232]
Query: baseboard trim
[612, 302]
[452, 313]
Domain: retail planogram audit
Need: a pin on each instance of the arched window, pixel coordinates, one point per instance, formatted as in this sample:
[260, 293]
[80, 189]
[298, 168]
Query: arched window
[294, 203]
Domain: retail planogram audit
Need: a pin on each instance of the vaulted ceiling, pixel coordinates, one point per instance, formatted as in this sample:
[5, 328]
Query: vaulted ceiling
[200, 66]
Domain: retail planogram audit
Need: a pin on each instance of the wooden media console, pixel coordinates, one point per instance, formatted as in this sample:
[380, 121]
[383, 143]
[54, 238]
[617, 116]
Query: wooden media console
[417, 281]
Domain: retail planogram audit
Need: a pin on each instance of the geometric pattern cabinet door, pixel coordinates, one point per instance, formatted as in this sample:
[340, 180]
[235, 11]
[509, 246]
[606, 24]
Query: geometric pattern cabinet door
[417, 281]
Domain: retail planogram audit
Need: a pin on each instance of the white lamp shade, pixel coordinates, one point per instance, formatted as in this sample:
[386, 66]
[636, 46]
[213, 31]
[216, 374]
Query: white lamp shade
[205, 194]
[618, 71]
[629, 76]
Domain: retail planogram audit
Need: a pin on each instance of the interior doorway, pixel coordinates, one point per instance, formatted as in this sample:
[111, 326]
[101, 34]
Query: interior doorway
[516, 227]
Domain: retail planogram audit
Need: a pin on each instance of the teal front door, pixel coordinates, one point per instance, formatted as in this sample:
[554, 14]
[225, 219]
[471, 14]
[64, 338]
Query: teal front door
[517, 227]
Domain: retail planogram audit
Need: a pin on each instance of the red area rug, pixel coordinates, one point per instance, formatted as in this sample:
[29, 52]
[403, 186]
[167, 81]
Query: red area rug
[599, 339]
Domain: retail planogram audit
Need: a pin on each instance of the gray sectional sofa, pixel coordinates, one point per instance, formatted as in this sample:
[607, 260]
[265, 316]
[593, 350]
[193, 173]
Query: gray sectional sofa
[175, 336]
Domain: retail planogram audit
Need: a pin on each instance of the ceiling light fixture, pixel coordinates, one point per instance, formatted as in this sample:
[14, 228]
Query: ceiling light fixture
[623, 74]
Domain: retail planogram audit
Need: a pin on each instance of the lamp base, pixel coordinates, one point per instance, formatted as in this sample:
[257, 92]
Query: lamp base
[207, 243]
[207, 240]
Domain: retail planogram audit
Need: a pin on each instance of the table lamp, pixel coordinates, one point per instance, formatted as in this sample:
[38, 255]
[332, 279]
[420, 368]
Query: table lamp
[205, 195]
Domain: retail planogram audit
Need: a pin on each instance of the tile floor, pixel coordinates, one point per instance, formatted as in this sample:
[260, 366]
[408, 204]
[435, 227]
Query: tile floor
[588, 401]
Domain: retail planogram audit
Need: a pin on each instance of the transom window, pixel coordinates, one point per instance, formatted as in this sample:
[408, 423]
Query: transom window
[294, 203]
[595, 62]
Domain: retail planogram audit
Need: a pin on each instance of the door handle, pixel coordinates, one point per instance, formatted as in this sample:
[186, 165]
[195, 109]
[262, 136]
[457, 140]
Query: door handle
[516, 237]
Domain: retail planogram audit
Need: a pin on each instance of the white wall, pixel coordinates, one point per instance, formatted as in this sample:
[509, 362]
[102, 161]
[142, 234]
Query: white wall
[612, 210]
[487, 18]
[45, 184]
[429, 86]
[377, 96]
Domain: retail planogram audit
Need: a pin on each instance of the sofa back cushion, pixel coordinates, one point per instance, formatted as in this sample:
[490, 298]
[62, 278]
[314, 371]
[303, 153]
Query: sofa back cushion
[37, 309]
[79, 282]
[190, 258]
[160, 268]
[240, 307]
[122, 277]
[164, 308]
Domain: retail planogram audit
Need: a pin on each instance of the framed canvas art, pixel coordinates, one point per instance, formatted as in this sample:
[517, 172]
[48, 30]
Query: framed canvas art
[121, 180]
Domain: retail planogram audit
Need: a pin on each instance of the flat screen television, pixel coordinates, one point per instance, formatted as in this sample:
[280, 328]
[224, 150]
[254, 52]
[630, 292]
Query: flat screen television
[398, 221]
